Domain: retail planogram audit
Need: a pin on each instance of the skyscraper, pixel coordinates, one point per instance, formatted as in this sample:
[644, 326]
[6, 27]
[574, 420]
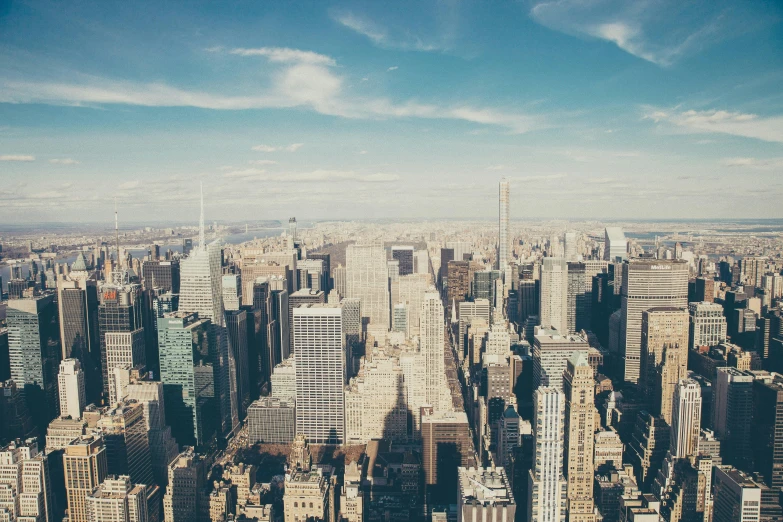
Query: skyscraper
[647, 283]
[433, 346]
[187, 480]
[119, 500]
[77, 300]
[25, 473]
[123, 350]
[580, 416]
[732, 415]
[737, 497]
[403, 254]
[320, 373]
[686, 419]
[767, 437]
[85, 467]
[368, 279]
[551, 352]
[547, 495]
[708, 324]
[615, 244]
[504, 241]
[162, 275]
[554, 294]
[71, 385]
[120, 311]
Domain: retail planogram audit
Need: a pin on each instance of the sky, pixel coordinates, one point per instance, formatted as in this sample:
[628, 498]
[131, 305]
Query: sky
[598, 109]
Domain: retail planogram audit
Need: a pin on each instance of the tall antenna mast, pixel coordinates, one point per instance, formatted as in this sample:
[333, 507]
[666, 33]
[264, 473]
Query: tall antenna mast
[201, 242]
[117, 232]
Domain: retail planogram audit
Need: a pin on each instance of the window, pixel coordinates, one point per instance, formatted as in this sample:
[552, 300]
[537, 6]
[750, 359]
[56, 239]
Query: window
[296, 504]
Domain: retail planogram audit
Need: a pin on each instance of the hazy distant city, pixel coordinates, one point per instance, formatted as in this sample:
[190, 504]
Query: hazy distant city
[422, 260]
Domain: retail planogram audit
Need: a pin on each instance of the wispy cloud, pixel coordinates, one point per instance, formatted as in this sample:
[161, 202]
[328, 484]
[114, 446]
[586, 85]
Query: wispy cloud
[385, 37]
[275, 148]
[539, 177]
[63, 161]
[660, 32]
[319, 175]
[497, 167]
[263, 162]
[769, 128]
[754, 163]
[16, 157]
[286, 55]
[392, 68]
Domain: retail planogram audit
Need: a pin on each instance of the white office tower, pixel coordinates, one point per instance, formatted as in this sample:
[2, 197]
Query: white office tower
[498, 340]
[123, 350]
[71, 384]
[375, 401]
[546, 483]
[736, 497]
[231, 285]
[117, 500]
[647, 283]
[570, 250]
[410, 289]
[554, 294]
[368, 279]
[686, 419]
[615, 244]
[504, 241]
[25, 483]
[708, 324]
[432, 347]
[320, 373]
[283, 380]
[201, 290]
[460, 249]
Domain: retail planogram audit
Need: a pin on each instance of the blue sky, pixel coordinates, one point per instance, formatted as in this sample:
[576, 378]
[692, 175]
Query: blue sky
[592, 108]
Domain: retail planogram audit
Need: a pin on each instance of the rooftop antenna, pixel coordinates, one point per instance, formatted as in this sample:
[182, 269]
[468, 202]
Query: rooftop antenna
[201, 242]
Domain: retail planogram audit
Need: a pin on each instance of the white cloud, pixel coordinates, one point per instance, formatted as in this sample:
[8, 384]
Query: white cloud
[319, 175]
[286, 55]
[768, 128]
[497, 167]
[16, 157]
[538, 177]
[362, 152]
[63, 161]
[263, 162]
[128, 185]
[392, 68]
[383, 37]
[754, 163]
[272, 148]
[660, 32]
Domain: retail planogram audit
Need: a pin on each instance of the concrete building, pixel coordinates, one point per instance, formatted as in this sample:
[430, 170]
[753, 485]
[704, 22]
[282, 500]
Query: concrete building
[368, 279]
[25, 483]
[553, 306]
[117, 499]
[306, 495]
[271, 420]
[301, 297]
[608, 449]
[736, 497]
[615, 244]
[707, 324]
[123, 350]
[686, 419]
[85, 465]
[446, 445]
[485, 494]
[432, 347]
[647, 283]
[231, 289]
[284, 381]
[185, 494]
[732, 415]
[404, 255]
[320, 373]
[551, 352]
[547, 487]
[71, 387]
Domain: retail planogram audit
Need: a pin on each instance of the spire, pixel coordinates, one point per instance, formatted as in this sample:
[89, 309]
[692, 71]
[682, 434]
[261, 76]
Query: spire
[201, 242]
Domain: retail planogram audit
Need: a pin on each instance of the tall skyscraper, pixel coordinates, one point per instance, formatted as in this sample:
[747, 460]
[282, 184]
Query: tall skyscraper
[647, 283]
[368, 279]
[547, 495]
[403, 254]
[686, 419]
[580, 416]
[320, 373]
[34, 353]
[25, 483]
[664, 356]
[433, 346]
[551, 352]
[119, 500]
[77, 299]
[161, 274]
[570, 250]
[737, 498]
[71, 385]
[301, 297]
[732, 415]
[120, 311]
[187, 481]
[504, 241]
[615, 244]
[554, 294]
[767, 437]
[188, 353]
[231, 285]
[708, 324]
[85, 465]
[123, 350]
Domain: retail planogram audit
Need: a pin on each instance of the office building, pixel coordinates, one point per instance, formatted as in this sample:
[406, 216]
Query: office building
[301, 297]
[62, 431]
[736, 497]
[766, 435]
[446, 445]
[25, 483]
[306, 495]
[188, 354]
[647, 283]
[504, 240]
[123, 350]
[686, 419]
[367, 278]
[284, 380]
[432, 346]
[547, 487]
[71, 387]
[120, 310]
[403, 254]
[410, 290]
[468, 312]
[161, 275]
[485, 494]
[124, 433]
[664, 356]
[553, 307]
[580, 293]
[580, 425]
[708, 324]
[117, 499]
[608, 449]
[34, 354]
[649, 443]
[271, 420]
[551, 352]
[327, 264]
[85, 465]
[187, 481]
[732, 415]
[231, 288]
[313, 275]
[320, 373]
[615, 244]
[77, 299]
[458, 284]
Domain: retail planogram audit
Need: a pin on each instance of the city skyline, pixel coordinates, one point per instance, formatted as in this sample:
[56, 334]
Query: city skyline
[600, 109]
